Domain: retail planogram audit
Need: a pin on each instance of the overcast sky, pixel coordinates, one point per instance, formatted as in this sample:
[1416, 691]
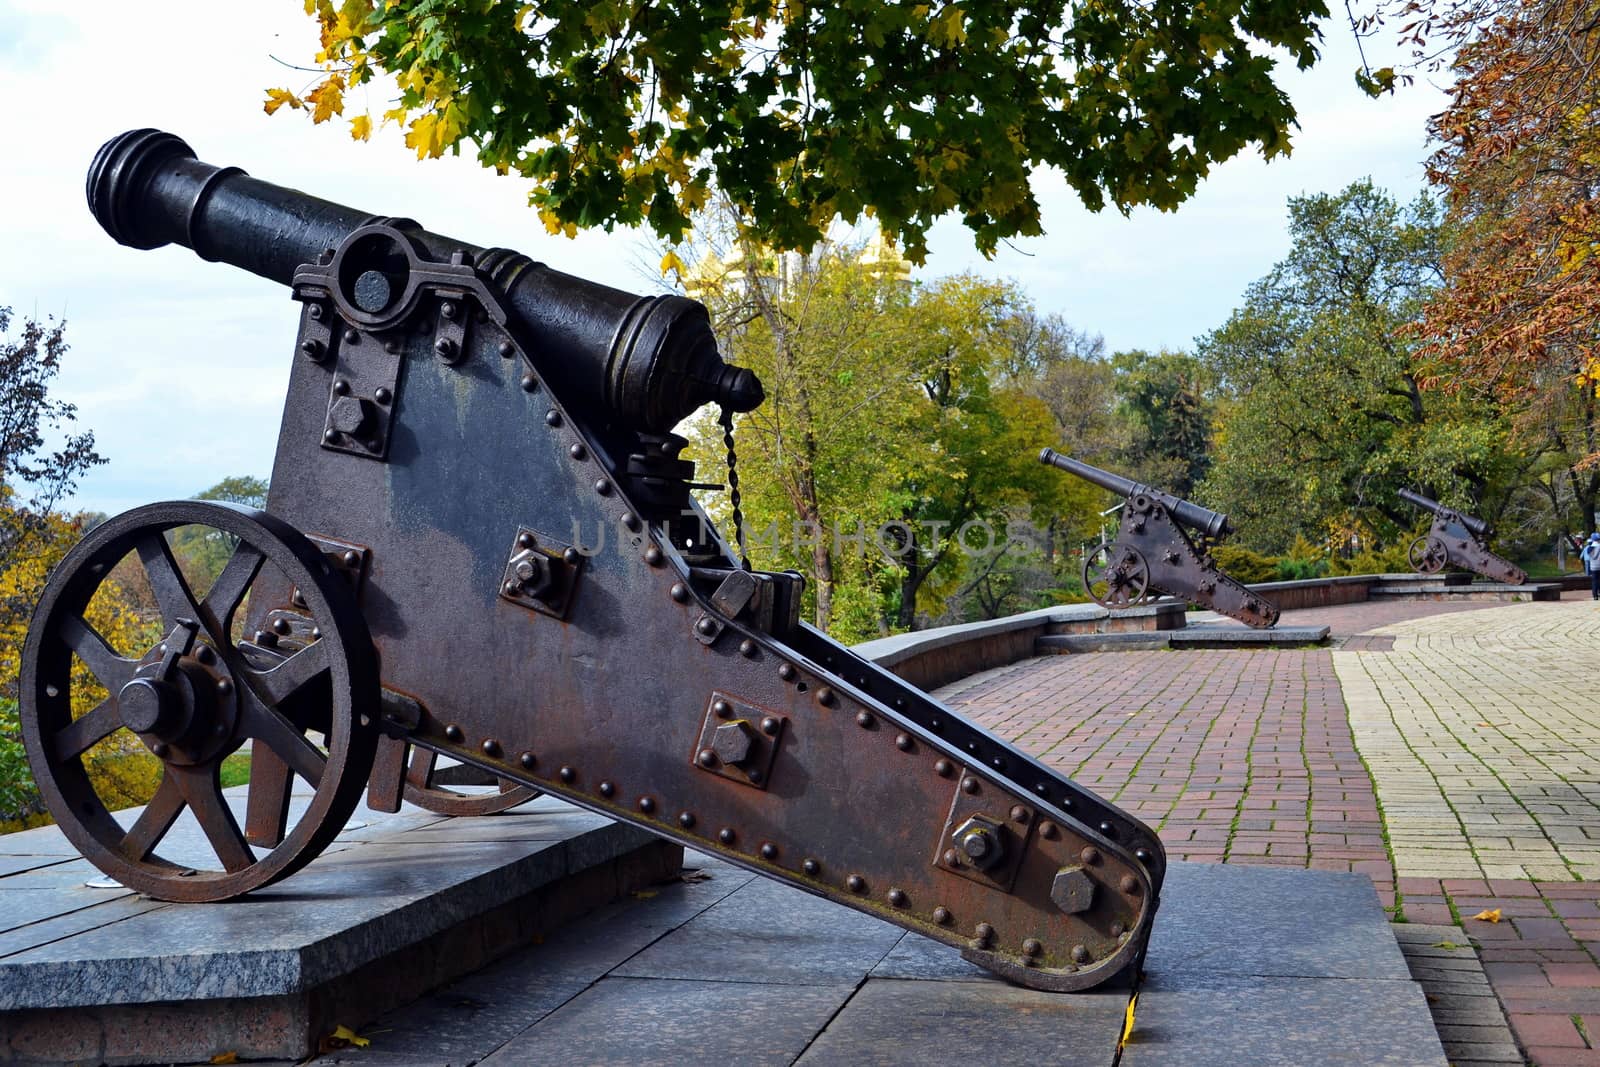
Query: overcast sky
[179, 366]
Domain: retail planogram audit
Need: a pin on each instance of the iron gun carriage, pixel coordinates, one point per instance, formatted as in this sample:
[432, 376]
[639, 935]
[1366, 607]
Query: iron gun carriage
[1457, 539]
[1154, 552]
[480, 543]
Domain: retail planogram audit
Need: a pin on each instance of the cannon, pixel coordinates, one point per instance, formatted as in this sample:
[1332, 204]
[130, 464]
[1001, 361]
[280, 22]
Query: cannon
[1457, 539]
[1153, 552]
[480, 544]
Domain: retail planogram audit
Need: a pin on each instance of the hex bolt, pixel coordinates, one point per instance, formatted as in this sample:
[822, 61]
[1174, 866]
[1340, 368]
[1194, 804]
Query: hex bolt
[1072, 890]
[980, 843]
[351, 415]
[733, 742]
[315, 311]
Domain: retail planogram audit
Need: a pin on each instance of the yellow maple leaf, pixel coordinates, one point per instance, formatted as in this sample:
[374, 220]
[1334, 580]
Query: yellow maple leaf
[1489, 915]
[277, 98]
[1127, 1022]
[670, 261]
[225, 1057]
[328, 98]
[361, 128]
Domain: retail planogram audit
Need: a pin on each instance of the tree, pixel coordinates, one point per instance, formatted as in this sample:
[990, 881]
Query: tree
[623, 113]
[1164, 398]
[1324, 416]
[202, 551]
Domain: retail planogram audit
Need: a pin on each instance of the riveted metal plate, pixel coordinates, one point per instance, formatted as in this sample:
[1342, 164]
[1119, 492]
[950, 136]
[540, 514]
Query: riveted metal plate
[362, 395]
[1011, 823]
[762, 732]
[348, 559]
[453, 312]
[541, 573]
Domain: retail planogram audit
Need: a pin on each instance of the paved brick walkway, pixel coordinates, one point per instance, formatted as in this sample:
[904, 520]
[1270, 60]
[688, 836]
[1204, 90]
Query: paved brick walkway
[1481, 726]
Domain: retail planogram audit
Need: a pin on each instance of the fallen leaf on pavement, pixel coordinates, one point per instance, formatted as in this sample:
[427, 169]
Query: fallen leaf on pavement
[1489, 915]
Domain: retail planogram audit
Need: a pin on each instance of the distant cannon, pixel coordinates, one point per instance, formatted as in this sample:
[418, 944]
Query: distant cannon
[1153, 553]
[1459, 540]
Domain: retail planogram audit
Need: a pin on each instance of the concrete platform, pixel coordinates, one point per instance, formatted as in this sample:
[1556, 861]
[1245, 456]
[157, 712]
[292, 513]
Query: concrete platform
[1485, 591]
[1248, 966]
[1195, 635]
[400, 904]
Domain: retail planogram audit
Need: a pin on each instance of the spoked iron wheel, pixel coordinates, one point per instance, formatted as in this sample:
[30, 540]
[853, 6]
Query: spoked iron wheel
[1428, 555]
[1116, 576]
[194, 698]
[434, 788]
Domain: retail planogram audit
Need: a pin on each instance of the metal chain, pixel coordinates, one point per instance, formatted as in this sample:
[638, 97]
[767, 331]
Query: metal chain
[733, 485]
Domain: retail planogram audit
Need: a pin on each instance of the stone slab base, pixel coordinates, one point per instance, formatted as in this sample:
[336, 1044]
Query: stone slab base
[1485, 591]
[372, 925]
[1189, 637]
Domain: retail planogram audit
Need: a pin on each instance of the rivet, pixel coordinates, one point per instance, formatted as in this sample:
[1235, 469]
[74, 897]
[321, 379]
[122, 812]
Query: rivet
[943, 768]
[770, 726]
[1032, 947]
[330, 436]
[755, 776]
[811, 867]
[1042, 789]
[652, 555]
[351, 557]
[726, 835]
[576, 450]
[897, 897]
[969, 785]
[647, 805]
[603, 487]
[552, 418]
[507, 349]
[1117, 929]
[316, 633]
[786, 671]
[204, 654]
[679, 592]
[529, 383]
[525, 540]
[1129, 884]
[341, 387]
[445, 347]
[769, 851]
[567, 775]
[706, 625]
[855, 883]
[382, 395]
[262, 637]
[160, 749]
[1142, 855]
[281, 627]
[315, 311]
[721, 708]
[630, 520]
[903, 742]
[985, 933]
[864, 719]
[998, 763]
[1019, 814]
[1090, 855]
[825, 698]
[572, 556]
[706, 758]
[747, 648]
[453, 732]
[351, 337]
[606, 789]
[448, 309]
[490, 747]
[1047, 830]
[941, 915]
[952, 858]
[527, 760]
[392, 347]
[511, 588]
[224, 686]
[1108, 830]
[1080, 954]
[312, 349]
[686, 819]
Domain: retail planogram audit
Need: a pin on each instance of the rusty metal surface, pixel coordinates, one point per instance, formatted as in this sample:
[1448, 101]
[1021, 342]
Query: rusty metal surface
[545, 421]
[1458, 540]
[1154, 554]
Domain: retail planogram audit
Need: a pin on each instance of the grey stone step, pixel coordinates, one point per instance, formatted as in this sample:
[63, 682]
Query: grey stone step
[399, 905]
[1485, 591]
[1206, 636]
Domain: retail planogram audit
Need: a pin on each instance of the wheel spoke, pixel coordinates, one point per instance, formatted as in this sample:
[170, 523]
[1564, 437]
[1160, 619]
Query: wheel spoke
[266, 809]
[109, 669]
[166, 581]
[81, 733]
[269, 726]
[223, 599]
[281, 682]
[203, 793]
[154, 822]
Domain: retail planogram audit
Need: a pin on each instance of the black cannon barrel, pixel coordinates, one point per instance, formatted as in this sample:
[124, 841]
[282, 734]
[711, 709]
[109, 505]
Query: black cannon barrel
[1478, 526]
[1202, 520]
[651, 360]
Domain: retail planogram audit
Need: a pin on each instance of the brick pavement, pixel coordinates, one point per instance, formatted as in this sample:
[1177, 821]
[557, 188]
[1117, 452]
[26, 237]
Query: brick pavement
[1250, 757]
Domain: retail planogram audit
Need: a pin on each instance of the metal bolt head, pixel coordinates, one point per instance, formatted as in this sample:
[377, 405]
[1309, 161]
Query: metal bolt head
[1072, 890]
[811, 867]
[531, 569]
[980, 843]
[445, 347]
[771, 725]
[733, 741]
[351, 415]
[941, 915]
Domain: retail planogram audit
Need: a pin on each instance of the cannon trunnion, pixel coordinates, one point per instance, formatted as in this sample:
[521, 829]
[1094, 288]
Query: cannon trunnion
[479, 543]
[1153, 552]
[1457, 539]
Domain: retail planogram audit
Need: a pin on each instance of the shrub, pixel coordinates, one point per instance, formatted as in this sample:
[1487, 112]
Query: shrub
[1245, 565]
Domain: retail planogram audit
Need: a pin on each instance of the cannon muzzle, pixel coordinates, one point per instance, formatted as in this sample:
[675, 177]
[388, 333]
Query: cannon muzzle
[1479, 527]
[647, 361]
[1204, 521]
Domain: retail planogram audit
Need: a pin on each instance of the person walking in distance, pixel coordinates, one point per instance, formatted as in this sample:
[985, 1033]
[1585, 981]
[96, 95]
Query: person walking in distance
[1591, 563]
